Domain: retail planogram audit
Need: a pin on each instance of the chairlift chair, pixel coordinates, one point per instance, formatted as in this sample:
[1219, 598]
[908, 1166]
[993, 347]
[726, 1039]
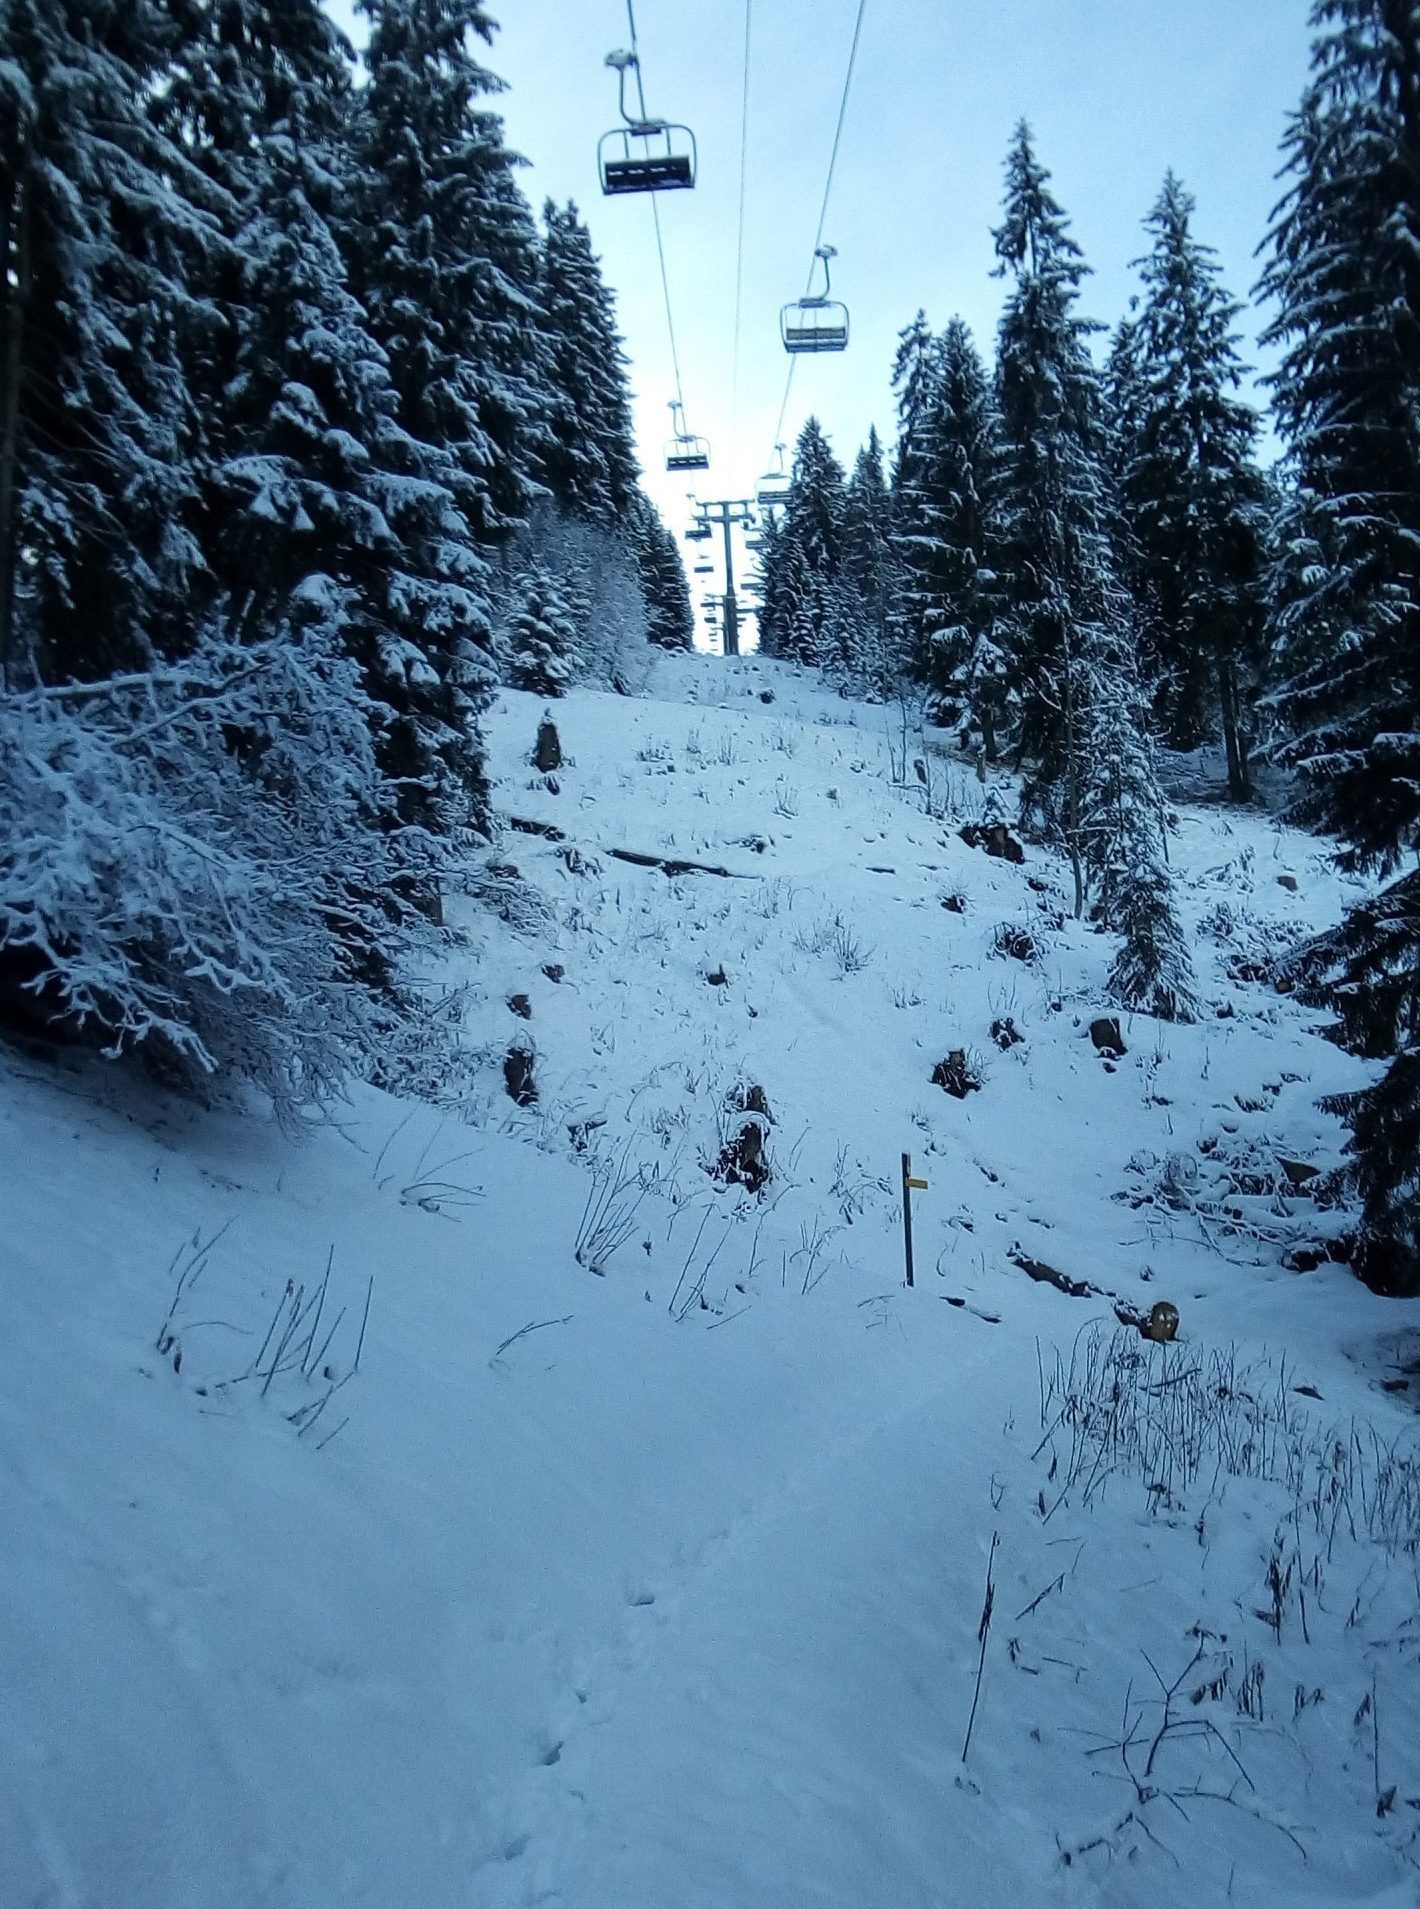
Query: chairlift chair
[644, 155]
[815, 322]
[706, 569]
[685, 451]
[772, 490]
[698, 534]
[688, 454]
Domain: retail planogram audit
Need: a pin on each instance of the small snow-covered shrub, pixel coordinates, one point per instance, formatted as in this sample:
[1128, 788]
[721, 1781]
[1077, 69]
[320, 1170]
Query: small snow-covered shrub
[962, 1072]
[831, 934]
[786, 801]
[1015, 940]
[201, 866]
[1252, 946]
[1175, 1417]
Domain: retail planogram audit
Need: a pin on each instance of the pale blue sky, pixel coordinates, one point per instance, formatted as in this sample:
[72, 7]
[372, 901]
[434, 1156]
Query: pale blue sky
[1116, 91]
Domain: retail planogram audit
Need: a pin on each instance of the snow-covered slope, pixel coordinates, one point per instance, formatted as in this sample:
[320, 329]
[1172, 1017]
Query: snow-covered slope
[653, 1577]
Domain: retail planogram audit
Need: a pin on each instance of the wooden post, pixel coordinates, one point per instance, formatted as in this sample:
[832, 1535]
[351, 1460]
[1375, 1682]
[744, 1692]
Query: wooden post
[908, 1184]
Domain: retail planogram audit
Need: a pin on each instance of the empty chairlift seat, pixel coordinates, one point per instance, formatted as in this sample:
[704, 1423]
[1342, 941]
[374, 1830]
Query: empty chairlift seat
[815, 322]
[652, 157]
[687, 454]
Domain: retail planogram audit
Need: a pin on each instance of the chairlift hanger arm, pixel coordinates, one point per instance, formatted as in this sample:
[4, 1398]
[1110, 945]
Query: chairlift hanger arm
[641, 122]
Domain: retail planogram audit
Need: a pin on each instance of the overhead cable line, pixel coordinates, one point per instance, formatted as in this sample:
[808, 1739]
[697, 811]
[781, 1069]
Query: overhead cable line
[656, 218]
[740, 228]
[827, 195]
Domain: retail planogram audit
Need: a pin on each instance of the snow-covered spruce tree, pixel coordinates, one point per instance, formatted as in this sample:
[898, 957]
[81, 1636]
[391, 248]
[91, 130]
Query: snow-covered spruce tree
[587, 461]
[801, 564]
[589, 458]
[1091, 781]
[1060, 598]
[944, 524]
[1127, 848]
[1345, 272]
[670, 621]
[540, 640]
[105, 228]
[197, 869]
[1344, 269]
[241, 75]
[846, 640]
[1194, 501]
[868, 582]
[768, 578]
[803, 608]
[600, 583]
[443, 255]
[914, 376]
[321, 480]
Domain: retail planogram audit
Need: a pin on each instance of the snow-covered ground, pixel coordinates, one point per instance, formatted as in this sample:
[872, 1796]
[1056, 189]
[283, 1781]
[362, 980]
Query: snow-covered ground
[653, 1577]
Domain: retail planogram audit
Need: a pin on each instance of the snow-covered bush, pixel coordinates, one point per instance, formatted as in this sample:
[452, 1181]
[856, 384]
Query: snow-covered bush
[200, 866]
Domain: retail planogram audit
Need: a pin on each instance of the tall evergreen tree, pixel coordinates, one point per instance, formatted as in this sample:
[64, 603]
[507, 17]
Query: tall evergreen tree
[1344, 268]
[801, 560]
[1193, 499]
[326, 501]
[914, 377]
[258, 95]
[768, 578]
[946, 531]
[319, 504]
[1345, 271]
[1133, 885]
[105, 227]
[1062, 603]
[444, 256]
[670, 621]
[1065, 611]
[868, 580]
[589, 459]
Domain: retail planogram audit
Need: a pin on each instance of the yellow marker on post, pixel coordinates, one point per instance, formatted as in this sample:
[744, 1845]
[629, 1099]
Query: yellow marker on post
[909, 1186]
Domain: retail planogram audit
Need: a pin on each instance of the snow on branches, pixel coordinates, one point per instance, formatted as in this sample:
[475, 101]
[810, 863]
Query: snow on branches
[202, 864]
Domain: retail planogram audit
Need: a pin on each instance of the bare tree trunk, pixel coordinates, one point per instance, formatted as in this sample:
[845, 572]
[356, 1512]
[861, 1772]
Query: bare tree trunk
[1239, 780]
[14, 290]
[1073, 804]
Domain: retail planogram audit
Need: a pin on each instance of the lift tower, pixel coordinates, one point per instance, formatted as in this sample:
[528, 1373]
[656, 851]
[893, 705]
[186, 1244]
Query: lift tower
[726, 511]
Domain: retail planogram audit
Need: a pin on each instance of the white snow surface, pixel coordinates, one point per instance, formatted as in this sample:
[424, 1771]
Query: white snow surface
[674, 1602]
